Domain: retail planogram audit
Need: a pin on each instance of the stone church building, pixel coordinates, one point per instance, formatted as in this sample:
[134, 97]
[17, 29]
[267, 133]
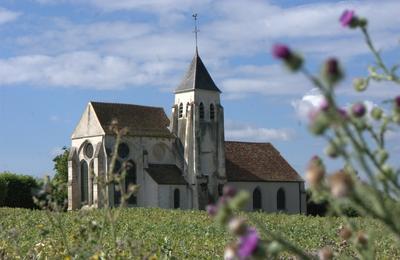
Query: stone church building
[179, 163]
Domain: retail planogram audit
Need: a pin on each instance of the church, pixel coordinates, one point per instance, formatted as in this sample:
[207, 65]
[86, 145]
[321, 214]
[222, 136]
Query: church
[182, 162]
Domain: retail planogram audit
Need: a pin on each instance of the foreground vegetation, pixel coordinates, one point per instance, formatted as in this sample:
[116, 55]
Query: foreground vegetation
[143, 233]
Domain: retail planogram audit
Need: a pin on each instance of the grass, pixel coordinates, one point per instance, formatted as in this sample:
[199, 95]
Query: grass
[144, 232]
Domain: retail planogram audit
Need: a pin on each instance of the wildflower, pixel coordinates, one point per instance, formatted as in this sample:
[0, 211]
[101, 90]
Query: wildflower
[237, 226]
[331, 71]
[229, 191]
[324, 106]
[230, 253]
[212, 210]
[248, 244]
[325, 253]
[291, 59]
[341, 184]
[315, 172]
[281, 51]
[342, 113]
[397, 101]
[358, 110]
[345, 233]
[348, 18]
[319, 122]
[361, 238]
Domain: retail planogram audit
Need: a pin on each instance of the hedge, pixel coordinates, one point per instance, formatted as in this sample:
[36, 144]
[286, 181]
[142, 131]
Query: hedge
[16, 191]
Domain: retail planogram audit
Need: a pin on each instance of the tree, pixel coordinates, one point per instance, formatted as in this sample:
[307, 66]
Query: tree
[60, 180]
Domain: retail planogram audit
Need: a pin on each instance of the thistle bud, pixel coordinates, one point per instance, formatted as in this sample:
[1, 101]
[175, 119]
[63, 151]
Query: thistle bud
[230, 253]
[341, 184]
[212, 210]
[331, 71]
[376, 113]
[360, 84]
[315, 172]
[332, 151]
[292, 60]
[358, 110]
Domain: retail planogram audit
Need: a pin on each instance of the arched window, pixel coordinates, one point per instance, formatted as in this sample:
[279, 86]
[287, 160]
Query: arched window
[180, 110]
[212, 112]
[117, 189]
[201, 111]
[84, 181]
[177, 199]
[280, 200]
[130, 179]
[257, 202]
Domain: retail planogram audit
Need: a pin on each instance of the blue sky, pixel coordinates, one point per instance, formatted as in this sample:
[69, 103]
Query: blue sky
[57, 55]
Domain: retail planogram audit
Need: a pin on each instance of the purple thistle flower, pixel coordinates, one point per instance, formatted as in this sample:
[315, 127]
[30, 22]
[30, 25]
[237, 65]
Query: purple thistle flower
[229, 191]
[248, 244]
[397, 100]
[347, 18]
[358, 110]
[324, 105]
[212, 210]
[342, 113]
[281, 51]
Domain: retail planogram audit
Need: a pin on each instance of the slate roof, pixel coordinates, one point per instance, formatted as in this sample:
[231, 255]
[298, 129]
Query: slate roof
[197, 77]
[257, 162]
[166, 174]
[139, 120]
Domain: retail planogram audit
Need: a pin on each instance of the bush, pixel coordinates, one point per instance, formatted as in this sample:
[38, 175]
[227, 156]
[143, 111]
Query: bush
[16, 190]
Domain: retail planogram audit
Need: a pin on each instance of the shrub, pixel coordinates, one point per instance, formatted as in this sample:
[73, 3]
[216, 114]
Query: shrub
[16, 190]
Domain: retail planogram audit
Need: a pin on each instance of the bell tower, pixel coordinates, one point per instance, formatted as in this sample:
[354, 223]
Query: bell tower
[198, 123]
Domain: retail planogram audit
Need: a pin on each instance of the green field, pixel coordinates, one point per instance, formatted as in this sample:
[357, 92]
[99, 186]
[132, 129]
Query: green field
[145, 232]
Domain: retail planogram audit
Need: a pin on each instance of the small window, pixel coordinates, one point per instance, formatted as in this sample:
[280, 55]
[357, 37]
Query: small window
[117, 167]
[123, 150]
[89, 150]
[257, 202]
[180, 110]
[212, 112]
[280, 200]
[201, 111]
[176, 199]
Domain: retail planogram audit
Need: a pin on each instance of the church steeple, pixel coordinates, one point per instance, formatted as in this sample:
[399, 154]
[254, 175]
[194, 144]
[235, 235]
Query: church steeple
[197, 77]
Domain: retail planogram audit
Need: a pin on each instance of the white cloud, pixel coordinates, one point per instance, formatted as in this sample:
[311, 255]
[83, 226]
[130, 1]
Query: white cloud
[82, 69]
[310, 102]
[246, 132]
[7, 15]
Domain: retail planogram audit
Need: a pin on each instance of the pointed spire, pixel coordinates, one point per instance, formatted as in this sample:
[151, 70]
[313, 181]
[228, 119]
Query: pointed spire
[197, 77]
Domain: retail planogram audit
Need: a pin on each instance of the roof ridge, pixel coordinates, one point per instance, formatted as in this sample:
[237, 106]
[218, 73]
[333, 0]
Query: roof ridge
[247, 142]
[123, 104]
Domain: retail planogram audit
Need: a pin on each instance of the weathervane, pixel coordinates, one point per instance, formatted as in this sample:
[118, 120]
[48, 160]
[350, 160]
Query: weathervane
[195, 28]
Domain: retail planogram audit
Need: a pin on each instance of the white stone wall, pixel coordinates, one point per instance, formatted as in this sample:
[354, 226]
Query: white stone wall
[166, 196]
[294, 202]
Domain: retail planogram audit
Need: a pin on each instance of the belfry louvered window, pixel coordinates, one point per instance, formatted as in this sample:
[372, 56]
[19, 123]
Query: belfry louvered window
[180, 110]
[212, 112]
[201, 111]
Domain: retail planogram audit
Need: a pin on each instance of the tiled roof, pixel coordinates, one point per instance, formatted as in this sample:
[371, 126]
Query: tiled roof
[139, 120]
[197, 77]
[166, 174]
[257, 162]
